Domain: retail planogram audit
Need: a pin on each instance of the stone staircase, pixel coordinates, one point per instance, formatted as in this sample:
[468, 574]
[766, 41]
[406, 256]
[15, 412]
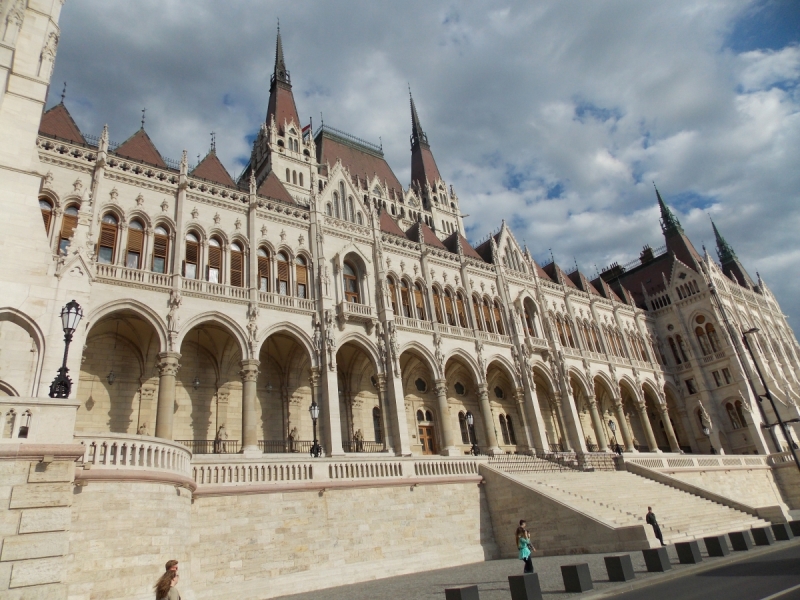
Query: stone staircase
[622, 498]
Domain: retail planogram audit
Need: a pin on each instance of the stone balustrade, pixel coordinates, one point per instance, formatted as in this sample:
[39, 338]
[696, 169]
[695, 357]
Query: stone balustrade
[700, 462]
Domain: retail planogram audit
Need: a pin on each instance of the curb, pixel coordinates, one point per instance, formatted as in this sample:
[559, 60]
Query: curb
[690, 570]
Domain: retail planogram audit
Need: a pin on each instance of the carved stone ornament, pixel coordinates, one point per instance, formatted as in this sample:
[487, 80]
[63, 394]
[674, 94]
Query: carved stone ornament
[283, 235]
[195, 213]
[216, 218]
[263, 230]
[330, 339]
[238, 224]
[48, 180]
[139, 200]
[301, 239]
[164, 206]
[437, 342]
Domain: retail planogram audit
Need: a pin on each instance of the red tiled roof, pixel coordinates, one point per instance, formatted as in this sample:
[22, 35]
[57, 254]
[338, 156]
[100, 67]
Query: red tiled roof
[281, 106]
[423, 166]
[59, 123]
[273, 188]
[360, 163]
[140, 147]
[485, 251]
[466, 248]
[428, 236]
[389, 225]
[540, 271]
[211, 168]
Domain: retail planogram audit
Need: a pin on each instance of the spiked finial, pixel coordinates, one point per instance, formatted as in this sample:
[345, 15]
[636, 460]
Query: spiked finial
[63, 92]
[724, 250]
[669, 222]
[143, 112]
[213, 142]
[417, 135]
[280, 74]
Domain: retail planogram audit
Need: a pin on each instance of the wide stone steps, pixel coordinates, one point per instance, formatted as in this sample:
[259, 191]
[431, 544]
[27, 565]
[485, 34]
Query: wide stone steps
[622, 499]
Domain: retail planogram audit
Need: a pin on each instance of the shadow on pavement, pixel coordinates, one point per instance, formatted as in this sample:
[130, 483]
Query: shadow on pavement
[782, 567]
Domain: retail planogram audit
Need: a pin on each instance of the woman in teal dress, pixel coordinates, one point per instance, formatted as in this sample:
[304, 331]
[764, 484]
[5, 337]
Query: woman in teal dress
[524, 546]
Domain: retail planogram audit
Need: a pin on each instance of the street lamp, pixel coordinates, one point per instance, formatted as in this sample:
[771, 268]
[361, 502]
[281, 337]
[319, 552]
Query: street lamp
[613, 427]
[70, 317]
[707, 433]
[474, 450]
[769, 396]
[316, 449]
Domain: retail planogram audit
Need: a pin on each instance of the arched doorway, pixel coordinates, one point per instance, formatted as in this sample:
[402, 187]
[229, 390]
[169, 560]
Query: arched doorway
[462, 397]
[422, 409]
[507, 420]
[359, 395]
[554, 427]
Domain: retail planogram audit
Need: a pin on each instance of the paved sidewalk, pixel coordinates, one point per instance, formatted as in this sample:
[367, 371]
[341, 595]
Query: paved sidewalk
[492, 577]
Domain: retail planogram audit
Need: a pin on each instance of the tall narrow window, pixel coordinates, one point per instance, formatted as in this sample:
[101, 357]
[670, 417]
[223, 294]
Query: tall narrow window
[288, 176]
[301, 179]
[352, 216]
[294, 177]
[133, 255]
[329, 209]
[511, 437]
[192, 254]
[476, 309]
[462, 423]
[712, 337]
[504, 430]
[237, 265]
[702, 340]
[674, 349]
[263, 270]
[283, 274]
[734, 418]
[47, 213]
[214, 260]
[487, 316]
[108, 239]
[405, 298]
[682, 348]
[350, 283]
[498, 318]
[739, 413]
[376, 425]
[393, 294]
[301, 274]
[448, 308]
[462, 313]
[160, 249]
[437, 305]
[596, 338]
[336, 210]
[68, 224]
[529, 323]
[419, 303]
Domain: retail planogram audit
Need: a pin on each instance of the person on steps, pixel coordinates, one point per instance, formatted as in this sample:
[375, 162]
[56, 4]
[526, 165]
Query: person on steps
[651, 520]
[523, 538]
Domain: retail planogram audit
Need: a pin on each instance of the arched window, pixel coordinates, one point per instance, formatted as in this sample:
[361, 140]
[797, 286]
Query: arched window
[712, 337]
[329, 209]
[359, 218]
[569, 331]
[462, 423]
[681, 347]
[560, 328]
[263, 270]
[349, 274]
[529, 323]
[504, 430]
[47, 212]
[160, 249]
[109, 227]
[294, 177]
[300, 176]
[68, 224]
[674, 349]
[738, 406]
[237, 265]
[133, 254]
[283, 274]
[462, 313]
[487, 316]
[596, 337]
[498, 318]
[405, 299]
[429, 416]
[419, 303]
[448, 308]
[420, 416]
[352, 215]
[192, 254]
[392, 294]
[512, 438]
[288, 176]
[376, 425]
[301, 276]
[733, 416]
[336, 209]
[8, 423]
[703, 340]
[437, 305]
[214, 267]
[343, 196]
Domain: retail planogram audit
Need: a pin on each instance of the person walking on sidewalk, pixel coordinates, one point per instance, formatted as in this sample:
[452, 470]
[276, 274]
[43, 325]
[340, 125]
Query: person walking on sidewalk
[651, 520]
[523, 538]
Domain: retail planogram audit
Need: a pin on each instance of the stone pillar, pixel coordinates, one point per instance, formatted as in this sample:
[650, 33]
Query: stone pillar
[565, 442]
[167, 365]
[535, 424]
[641, 407]
[493, 447]
[249, 374]
[671, 437]
[388, 440]
[519, 396]
[597, 424]
[313, 381]
[448, 445]
[622, 425]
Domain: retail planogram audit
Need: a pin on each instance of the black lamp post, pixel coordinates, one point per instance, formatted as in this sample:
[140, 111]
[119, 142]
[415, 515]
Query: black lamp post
[707, 433]
[70, 317]
[769, 397]
[316, 449]
[474, 450]
[613, 427]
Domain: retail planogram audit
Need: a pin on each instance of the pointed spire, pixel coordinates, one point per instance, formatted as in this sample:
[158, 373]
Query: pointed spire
[669, 222]
[724, 250]
[280, 73]
[417, 135]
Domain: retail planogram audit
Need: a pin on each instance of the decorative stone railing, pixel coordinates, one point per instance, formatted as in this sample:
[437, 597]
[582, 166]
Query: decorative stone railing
[455, 331]
[413, 324]
[208, 288]
[118, 274]
[286, 302]
[539, 343]
[496, 338]
[699, 462]
[781, 459]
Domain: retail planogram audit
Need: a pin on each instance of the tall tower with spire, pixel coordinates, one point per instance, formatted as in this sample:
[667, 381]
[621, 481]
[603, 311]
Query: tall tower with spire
[675, 238]
[281, 106]
[730, 262]
[424, 171]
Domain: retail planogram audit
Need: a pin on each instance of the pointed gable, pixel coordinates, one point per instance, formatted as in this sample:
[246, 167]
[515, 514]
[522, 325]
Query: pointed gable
[211, 169]
[420, 232]
[272, 187]
[389, 225]
[281, 105]
[454, 240]
[140, 147]
[57, 122]
[423, 165]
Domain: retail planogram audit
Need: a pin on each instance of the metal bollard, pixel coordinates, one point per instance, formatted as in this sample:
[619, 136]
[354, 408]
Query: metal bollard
[689, 552]
[619, 567]
[525, 587]
[469, 592]
[577, 577]
[657, 559]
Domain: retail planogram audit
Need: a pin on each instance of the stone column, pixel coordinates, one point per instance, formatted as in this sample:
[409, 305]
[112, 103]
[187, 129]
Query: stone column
[597, 424]
[313, 381]
[249, 374]
[641, 407]
[167, 365]
[493, 447]
[671, 437]
[535, 424]
[448, 445]
[567, 446]
[519, 396]
[622, 425]
[385, 422]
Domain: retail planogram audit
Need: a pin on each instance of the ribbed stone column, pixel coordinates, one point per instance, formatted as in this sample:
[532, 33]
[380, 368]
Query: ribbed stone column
[597, 424]
[648, 429]
[622, 424]
[670, 431]
[449, 448]
[249, 374]
[167, 365]
[488, 421]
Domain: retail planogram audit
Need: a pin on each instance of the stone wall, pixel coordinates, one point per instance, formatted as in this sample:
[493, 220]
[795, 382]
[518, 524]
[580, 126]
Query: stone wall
[262, 546]
[753, 487]
[788, 479]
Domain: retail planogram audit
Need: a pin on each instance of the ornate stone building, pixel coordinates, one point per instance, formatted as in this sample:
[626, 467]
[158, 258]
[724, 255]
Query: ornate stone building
[217, 309]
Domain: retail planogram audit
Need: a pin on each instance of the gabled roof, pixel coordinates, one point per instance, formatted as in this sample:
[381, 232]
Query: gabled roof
[211, 168]
[485, 251]
[361, 160]
[59, 123]
[140, 147]
[423, 165]
[420, 232]
[455, 239]
[540, 271]
[389, 225]
[582, 282]
[272, 187]
[605, 290]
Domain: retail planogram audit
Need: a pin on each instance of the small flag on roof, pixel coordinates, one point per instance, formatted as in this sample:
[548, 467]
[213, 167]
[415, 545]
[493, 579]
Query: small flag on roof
[306, 130]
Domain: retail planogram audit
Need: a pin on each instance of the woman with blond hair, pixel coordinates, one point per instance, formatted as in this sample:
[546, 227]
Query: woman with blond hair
[165, 587]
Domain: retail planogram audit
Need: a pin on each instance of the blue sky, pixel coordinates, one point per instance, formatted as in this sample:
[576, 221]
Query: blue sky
[557, 116]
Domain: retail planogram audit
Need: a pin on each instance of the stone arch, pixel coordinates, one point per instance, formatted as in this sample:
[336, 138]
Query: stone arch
[425, 355]
[470, 362]
[291, 330]
[358, 372]
[135, 306]
[165, 221]
[631, 396]
[217, 318]
[219, 233]
[365, 344]
[139, 215]
[50, 195]
[23, 321]
[7, 389]
[196, 228]
[507, 366]
[115, 210]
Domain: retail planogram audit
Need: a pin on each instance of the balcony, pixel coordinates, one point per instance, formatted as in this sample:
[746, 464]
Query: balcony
[455, 331]
[714, 357]
[357, 313]
[413, 324]
[118, 275]
[362, 446]
[495, 338]
[211, 446]
[207, 288]
[290, 303]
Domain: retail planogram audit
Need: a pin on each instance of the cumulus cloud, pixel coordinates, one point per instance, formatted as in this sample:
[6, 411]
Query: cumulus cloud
[557, 115]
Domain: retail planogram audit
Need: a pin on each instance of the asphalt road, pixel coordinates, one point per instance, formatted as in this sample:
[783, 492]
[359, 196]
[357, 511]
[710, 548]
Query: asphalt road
[757, 578]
